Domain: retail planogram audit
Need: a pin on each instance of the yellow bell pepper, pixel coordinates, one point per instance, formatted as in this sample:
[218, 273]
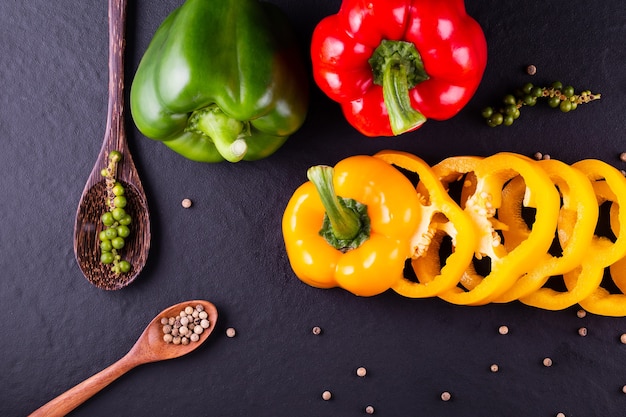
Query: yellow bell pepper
[351, 226]
[610, 186]
[575, 227]
[491, 174]
[441, 217]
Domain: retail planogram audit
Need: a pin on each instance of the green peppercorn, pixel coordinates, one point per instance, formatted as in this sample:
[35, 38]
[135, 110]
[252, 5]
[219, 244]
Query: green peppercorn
[565, 106]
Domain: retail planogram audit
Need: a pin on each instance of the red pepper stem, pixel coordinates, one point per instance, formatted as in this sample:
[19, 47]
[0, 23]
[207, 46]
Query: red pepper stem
[345, 222]
[227, 134]
[398, 67]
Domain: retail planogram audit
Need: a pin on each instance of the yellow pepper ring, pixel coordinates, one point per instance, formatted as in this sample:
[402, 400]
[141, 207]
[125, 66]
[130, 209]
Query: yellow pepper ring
[575, 226]
[492, 173]
[583, 282]
[441, 216]
[603, 252]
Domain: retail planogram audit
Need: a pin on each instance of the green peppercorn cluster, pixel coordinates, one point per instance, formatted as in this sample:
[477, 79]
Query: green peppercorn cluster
[557, 96]
[116, 220]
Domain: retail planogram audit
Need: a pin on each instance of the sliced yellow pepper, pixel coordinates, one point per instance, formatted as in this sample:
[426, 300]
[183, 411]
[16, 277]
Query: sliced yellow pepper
[351, 226]
[575, 227]
[610, 186]
[441, 216]
[492, 173]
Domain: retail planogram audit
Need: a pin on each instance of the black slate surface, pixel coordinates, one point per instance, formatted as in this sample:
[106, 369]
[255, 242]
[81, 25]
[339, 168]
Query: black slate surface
[58, 329]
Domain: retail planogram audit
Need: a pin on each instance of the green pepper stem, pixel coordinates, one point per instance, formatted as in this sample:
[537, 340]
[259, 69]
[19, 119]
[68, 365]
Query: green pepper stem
[398, 67]
[344, 221]
[227, 134]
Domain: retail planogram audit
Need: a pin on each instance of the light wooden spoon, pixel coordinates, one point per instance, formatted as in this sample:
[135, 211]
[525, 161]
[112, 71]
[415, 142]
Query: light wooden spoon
[150, 347]
[93, 199]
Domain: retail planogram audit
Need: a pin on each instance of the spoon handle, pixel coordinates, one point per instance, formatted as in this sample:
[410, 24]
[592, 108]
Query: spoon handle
[72, 398]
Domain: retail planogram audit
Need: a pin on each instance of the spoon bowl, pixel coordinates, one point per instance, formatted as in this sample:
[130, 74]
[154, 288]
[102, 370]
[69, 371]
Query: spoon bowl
[150, 347]
[92, 203]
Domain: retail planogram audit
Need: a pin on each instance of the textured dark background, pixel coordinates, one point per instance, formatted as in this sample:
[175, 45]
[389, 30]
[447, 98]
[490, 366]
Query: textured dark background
[58, 329]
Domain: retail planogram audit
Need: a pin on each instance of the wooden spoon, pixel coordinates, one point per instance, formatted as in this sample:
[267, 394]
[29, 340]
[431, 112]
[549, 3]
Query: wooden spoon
[150, 347]
[93, 199]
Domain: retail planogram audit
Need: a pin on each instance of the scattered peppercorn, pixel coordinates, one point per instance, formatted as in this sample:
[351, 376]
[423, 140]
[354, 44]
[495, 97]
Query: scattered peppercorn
[316, 330]
[503, 330]
[582, 331]
[622, 338]
[186, 203]
[494, 368]
[547, 362]
[557, 95]
[624, 389]
[446, 396]
[326, 395]
[361, 371]
[560, 415]
[531, 70]
[538, 156]
[369, 409]
[581, 313]
[230, 332]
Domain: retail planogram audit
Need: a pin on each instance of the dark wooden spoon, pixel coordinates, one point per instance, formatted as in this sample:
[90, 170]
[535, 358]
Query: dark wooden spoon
[93, 199]
[150, 347]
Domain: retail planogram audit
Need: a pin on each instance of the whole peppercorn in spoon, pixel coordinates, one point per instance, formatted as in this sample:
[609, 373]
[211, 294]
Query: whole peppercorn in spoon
[93, 202]
[150, 347]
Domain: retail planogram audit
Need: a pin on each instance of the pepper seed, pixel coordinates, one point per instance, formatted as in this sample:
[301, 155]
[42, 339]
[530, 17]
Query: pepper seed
[230, 332]
[494, 368]
[582, 331]
[316, 330]
[622, 338]
[186, 203]
[326, 395]
[560, 415]
[503, 330]
[446, 396]
[581, 313]
[361, 371]
[531, 70]
[547, 362]
[369, 409]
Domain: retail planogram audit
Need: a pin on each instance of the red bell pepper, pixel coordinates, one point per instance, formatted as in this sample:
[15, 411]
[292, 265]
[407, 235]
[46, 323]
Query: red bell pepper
[393, 64]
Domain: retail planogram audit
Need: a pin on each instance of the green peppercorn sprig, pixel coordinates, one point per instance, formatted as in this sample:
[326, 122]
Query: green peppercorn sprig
[116, 220]
[558, 96]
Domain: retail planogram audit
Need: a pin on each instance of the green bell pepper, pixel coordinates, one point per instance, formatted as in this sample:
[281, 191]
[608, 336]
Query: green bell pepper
[221, 80]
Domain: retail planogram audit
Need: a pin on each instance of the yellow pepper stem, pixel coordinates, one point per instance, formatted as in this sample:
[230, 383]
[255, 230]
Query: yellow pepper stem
[346, 223]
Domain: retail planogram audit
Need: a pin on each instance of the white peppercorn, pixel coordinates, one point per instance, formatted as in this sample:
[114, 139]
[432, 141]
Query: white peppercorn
[203, 315]
[361, 371]
[326, 395]
[369, 409]
[230, 332]
[186, 203]
[186, 327]
[446, 396]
